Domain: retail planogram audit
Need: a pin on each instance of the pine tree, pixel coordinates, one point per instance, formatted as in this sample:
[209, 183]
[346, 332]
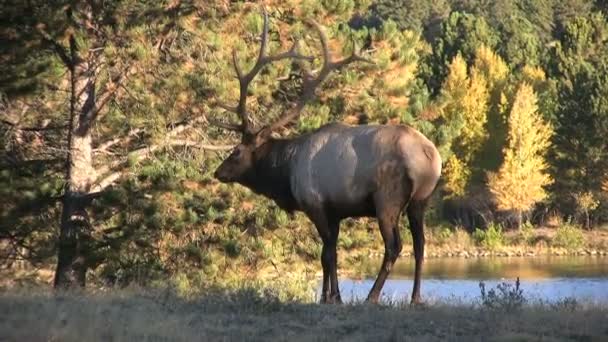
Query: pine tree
[461, 33]
[93, 116]
[579, 156]
[521, 180]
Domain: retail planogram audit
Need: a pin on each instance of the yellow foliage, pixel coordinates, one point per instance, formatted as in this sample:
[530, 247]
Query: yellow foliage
[455, 85]
[465, 101]
[474, 108]
[536, 77]
[456, 175]
[491, 66]
[520, 181]
[533, 74]
[586, 201]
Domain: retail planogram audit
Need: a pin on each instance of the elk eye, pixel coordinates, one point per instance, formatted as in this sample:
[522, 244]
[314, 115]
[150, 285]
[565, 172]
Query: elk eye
[236, 153]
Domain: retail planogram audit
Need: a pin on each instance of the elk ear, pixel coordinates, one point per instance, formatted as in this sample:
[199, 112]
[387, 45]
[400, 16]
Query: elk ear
[262, 136]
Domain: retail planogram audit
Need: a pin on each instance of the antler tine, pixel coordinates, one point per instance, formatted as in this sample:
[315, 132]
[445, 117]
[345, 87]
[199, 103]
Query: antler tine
[354, 57]
[328, 64]
[310, 82]
[245, 79]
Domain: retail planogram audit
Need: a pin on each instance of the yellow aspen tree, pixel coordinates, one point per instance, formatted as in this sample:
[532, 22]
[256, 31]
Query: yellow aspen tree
[520, 181]
[456, 175]
[491, 65]
[464, 108]
[533, 75]
[455, 87]
[453, 91]
[474, 111]
[495, 71]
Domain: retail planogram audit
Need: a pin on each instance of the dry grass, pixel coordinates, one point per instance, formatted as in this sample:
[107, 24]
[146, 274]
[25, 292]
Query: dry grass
[161, 316]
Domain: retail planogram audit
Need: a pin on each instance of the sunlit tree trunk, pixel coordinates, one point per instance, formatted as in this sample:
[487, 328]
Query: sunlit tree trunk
[75, 227]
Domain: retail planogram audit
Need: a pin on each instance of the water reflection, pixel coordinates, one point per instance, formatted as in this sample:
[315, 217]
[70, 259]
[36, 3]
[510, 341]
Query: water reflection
[446, 279]
[497, 268]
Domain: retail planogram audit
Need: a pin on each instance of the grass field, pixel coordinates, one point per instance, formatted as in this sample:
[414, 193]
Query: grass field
[138, 315]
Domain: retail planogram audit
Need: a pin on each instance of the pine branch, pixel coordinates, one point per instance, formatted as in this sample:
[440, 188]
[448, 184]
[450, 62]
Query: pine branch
[59, 49]
[114, 171]
[33, 129]
[195, 144]
[118, 141]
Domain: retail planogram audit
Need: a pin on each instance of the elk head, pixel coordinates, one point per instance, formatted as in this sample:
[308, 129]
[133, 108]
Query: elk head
[243, 156]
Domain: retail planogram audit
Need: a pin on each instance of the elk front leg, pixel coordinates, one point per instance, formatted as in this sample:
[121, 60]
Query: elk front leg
[334, 294]
[328, 231]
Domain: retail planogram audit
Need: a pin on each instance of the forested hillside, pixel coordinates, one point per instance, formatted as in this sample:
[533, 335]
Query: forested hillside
[107, 151]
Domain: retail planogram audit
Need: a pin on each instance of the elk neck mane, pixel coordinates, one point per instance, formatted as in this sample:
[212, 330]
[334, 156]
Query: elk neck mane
[270, 173]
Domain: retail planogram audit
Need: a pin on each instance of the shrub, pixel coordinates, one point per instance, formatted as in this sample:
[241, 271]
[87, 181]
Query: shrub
[492, 238]
[568, 236]
[505, 297]
[526, 232]
[442, 235]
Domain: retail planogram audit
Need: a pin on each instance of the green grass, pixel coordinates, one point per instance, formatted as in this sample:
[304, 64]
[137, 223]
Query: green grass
[252, 315]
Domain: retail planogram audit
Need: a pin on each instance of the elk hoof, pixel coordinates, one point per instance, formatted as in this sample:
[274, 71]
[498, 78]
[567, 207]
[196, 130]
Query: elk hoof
[417, 302]
[331, 299]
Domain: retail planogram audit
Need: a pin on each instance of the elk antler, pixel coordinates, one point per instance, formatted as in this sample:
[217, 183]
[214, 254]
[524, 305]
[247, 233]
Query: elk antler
[310, 82]
[245, 79]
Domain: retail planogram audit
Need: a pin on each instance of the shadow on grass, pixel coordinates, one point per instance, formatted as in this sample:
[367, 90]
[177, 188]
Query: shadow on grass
[253, 314]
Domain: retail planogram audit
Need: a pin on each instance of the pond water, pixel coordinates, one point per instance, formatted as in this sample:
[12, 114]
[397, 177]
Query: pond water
[548, 278]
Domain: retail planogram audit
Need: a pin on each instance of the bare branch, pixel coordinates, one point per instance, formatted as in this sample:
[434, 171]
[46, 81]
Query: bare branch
[226, 125]
[138, 155]
[33, 129]
[130, 135]
[111, 89]
[196, 144]
[226, 107]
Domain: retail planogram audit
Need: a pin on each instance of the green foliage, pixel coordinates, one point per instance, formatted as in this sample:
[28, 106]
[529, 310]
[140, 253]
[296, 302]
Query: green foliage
[580, 153]
[311, 122]
[441, 235]
[568, 236]
[461, 33]
[338, 6]
[491, 238]
[526, 232]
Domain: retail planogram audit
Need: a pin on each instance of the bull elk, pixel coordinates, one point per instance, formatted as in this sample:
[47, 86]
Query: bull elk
[335, 172]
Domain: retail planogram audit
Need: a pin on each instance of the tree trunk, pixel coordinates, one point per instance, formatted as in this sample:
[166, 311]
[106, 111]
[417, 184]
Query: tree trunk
[520, 218]
[75, 228]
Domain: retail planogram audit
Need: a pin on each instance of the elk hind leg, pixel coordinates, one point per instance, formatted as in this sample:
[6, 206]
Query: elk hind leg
[415, 215]
[388, 217]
